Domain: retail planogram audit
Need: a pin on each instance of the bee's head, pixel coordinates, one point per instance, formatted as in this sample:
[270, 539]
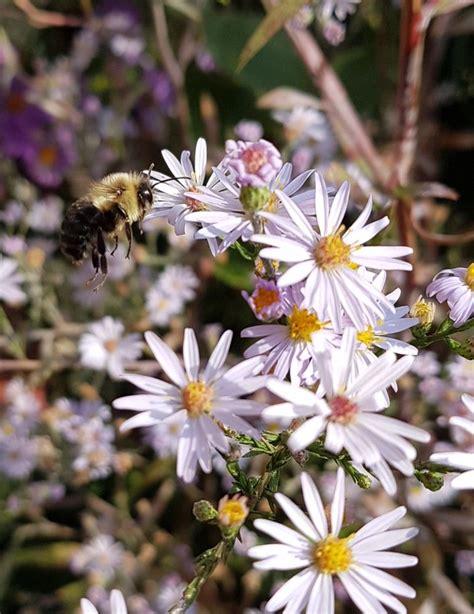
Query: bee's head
[145, 193]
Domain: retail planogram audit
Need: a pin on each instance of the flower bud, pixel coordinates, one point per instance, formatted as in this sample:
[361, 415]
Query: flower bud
[466, 349]
[233, 512]
[425, 311]
[204, 511]
[254, 199]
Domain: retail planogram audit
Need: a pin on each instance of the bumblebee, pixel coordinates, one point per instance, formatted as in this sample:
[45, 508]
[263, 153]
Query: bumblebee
[111, 206]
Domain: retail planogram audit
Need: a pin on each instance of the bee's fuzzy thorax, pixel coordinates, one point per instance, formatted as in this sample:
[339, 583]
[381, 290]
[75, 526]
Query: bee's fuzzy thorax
[124, 187]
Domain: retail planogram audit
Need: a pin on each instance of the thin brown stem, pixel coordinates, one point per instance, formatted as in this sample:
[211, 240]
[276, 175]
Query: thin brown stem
[172, 66]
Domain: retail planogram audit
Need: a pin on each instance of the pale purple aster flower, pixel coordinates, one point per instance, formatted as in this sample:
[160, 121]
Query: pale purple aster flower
[464, 561]
[18, 454]
[161, 88]
[176, 199]
[12, 213]
[322, 555]
[117, 604]
[301, 124]
[254, 164]
[101, 557]
[179, 281]
[334, 31]
[461, 373]
[46, 214]
[327, 259]
[10, 280]
[265, 300]
[248, 130]
[162, 305]
[105, 347]
[289, 347]
[197, 401]
[426, 364]
[464, 461]
[349, 414]
[340, 8]
[12, 245]
[229, 220]
[456, 286]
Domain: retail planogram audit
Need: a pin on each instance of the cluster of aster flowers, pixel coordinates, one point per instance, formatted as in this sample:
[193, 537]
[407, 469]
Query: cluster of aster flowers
[327, 325]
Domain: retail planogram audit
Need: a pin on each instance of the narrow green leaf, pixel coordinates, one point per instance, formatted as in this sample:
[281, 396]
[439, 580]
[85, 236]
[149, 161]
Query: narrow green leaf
[268, 27]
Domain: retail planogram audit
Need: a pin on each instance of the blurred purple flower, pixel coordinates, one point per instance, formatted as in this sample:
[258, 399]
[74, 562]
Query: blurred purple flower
[52, 154]
[19, 119]
[161, 89]
[254, 164]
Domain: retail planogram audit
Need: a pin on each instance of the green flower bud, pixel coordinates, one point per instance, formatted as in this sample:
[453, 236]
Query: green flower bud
[466, 350]
[204, 511]
[254, 199]
[432, 480]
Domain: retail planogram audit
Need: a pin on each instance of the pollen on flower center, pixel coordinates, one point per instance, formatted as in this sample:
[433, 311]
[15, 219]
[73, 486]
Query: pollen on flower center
[302, 324]
[264, 297]
[332, 555]
[233, 512]
[193, 204]
[469, 277]
[342, 409]
[111, 345]
[331, 252]
[197, 399]
[48, 155]
[366, 336]
[254, 159]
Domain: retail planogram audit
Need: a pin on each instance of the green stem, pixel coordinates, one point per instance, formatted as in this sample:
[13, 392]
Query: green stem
[15, 346]
[423, 342]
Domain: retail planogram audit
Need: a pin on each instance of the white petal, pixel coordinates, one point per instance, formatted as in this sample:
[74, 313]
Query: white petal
[337, 506]
[363, 600]
[386, 581]
[297, 517]
[117, 603]
[296, 215]
[314, 505]
[338, 207]
[150, 384]
[296, 273]
[191, 354]
[87, 607]
[283, 534]
[305, 434]
[315, 597]
[167, 359]
[289, 392]
[465, 481]
[380, 524]
[218, 356]
[384, 540]
[144, 402]
[284, 562]
[294, 586]
[321, 204]
[388, 560]
[378, 593]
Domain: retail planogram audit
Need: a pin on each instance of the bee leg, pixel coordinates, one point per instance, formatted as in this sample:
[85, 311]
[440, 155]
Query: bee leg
[101, 249]
[115, 246]
[128, 232]
[95, 264]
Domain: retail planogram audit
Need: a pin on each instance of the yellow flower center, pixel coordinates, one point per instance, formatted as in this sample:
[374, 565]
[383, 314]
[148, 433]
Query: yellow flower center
[265, 297]
[272, 203]
[193, 203]
[254, 159]
[48, 155]
[332, 555]
[331, 252]
[343, 409]
[233, 513]
[423, 310]
[469, 278]
[303, 323]
[367, 336]
[197, 399]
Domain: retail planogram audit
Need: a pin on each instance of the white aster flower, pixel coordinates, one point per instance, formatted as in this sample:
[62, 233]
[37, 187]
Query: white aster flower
[179, 282]
[289, 347]
[101, 557]
[230, 221]
[196, 401]
[117, 604]
[327, 259]
[10, 280]
[104, 347]
[456, 286]
[318, 551]
[349, 413]
[162, 306]
[175, 199]
[460, 460]
[302, 123]
[340, 8]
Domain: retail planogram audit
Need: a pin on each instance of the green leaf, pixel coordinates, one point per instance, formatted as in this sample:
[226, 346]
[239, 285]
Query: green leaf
[268, 27]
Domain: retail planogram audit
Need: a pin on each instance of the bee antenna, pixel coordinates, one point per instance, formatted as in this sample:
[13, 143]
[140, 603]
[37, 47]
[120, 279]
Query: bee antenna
[170, 179]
